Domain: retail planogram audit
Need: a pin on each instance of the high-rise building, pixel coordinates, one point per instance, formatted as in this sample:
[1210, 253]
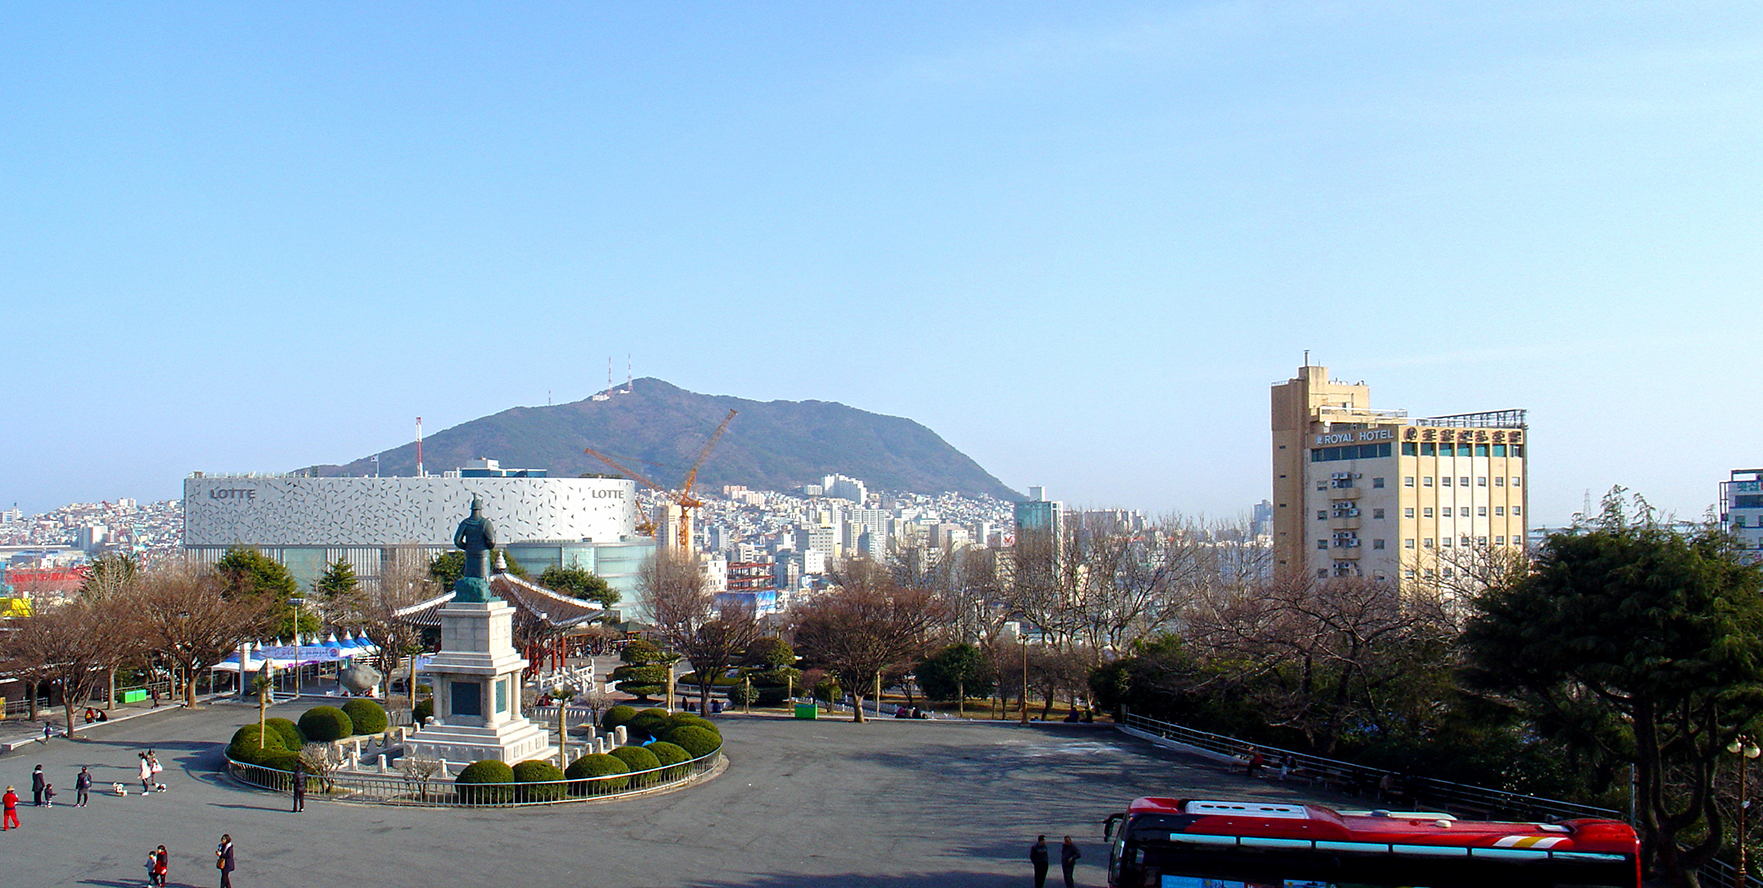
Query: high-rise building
[1741, 509]
[1370, 493]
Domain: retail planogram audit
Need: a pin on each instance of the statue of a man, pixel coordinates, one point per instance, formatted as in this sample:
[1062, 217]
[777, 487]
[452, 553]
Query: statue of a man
[477, 536]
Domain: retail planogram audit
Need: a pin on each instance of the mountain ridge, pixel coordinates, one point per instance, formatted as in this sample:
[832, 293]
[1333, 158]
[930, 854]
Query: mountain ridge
[659, 428]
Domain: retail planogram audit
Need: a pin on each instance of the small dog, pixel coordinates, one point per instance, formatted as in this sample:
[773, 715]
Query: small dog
[118, 789]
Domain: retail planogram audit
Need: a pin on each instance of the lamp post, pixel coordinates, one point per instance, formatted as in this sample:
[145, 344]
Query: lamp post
[1746, 749]
[296, 601]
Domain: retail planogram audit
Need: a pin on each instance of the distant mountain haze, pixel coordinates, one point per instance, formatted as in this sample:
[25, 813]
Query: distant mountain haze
[658, 428]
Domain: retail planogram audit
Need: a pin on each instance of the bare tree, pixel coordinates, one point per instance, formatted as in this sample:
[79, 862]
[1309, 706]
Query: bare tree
[373, 609]
[186, 616]
[866, 625]
[77, 642]
[672, 588]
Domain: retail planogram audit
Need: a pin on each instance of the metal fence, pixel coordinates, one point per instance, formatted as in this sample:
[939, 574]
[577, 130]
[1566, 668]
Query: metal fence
[439, 789]
[1383, 787]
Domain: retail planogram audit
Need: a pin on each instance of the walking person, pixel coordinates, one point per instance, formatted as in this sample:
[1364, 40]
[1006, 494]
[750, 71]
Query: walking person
[38, 781]
[81, 786]
[223, 861]
[299, 786]
[146, 774]
[161, 866]
[9, 802]
[1068, 855]
[1037, 855]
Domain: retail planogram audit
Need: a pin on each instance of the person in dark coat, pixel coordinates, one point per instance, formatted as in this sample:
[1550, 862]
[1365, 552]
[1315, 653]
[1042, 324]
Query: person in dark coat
[1068, 855]
[299, 786]
[1037, 855]
[37, 783]
[223, 861]
[81, 786]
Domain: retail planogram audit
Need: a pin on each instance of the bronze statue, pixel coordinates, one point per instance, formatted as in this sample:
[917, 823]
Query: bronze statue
[477, 536]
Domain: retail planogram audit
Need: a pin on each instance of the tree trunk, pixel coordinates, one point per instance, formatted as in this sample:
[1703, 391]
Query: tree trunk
[67, 707]
[190, 686]
[30, 693]
[960, 698]
[704, 695]
[110, 699]
[856, 707]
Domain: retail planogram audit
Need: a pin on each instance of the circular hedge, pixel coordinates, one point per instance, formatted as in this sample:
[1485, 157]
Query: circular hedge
[365, 716]
[617, 715]
[686, 719]
[694, 740]
[648, 723]
[637, 758]
[322, 724]
[292, 739]
[485, 782]
[547, 776]
[597, 764]
[425, 709]
[668, 754]
[246, 749]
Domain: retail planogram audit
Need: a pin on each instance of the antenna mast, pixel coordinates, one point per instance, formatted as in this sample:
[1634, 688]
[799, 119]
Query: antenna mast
[419, 471]
[627, 373]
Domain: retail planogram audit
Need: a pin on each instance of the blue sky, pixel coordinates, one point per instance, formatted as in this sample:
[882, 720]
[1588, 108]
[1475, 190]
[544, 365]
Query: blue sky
[1079, 243]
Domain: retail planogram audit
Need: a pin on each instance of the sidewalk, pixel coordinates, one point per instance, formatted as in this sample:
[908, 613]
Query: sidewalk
[19, 732]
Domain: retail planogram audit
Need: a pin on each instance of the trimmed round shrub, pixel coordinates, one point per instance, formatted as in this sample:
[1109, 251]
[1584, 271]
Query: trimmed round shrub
[648, 723]
[425, 710]
[597, 764]
[485, 783]
[247, 737]
[637, 758]
[694, 740]
[322, 724]
[292, 739]
[617, 715]
[547, 776]
[686, 719]
[668, 754]
[365, 716]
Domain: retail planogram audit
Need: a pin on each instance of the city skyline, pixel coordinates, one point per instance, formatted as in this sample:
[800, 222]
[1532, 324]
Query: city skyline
[1078, 245]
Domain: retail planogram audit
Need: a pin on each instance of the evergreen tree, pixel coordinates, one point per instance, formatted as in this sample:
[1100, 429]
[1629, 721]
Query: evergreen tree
[248, 572]
[580, 583]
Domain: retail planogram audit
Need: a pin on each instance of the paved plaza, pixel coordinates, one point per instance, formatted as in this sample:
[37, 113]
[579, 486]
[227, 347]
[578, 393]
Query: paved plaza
[889, 803]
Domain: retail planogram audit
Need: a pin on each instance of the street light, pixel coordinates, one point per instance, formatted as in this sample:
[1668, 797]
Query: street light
[1746, 749]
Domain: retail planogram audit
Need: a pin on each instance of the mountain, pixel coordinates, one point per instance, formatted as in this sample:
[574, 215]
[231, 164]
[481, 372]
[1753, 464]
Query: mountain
[658, 429]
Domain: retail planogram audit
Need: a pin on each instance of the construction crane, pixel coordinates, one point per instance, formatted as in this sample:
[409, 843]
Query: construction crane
[681, 497]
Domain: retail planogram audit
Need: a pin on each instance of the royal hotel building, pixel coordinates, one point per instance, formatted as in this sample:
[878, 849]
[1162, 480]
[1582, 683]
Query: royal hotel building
[1370, 493]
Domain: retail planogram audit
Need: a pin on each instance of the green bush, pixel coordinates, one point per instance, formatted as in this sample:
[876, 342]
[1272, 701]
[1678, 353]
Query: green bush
[596, 764]
[694, 740]
[770, 695]
[545, 775]
[425, 709]
[683, 719]
[668, 754]
[648, 723]
[637, 758]
[322, 724]
[616, 716]
[485, 783]
[292, 739]
[365, 716]
[248, 736]
[743, 694]
[828, 689]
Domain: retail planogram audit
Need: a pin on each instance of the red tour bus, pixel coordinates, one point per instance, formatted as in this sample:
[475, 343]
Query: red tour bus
[1172, 843]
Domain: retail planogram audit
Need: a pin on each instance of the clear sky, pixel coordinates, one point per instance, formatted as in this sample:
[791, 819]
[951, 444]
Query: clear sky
[1079, 241]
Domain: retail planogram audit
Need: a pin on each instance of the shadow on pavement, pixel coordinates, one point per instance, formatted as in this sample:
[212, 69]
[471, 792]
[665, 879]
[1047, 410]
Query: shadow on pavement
[871, 880]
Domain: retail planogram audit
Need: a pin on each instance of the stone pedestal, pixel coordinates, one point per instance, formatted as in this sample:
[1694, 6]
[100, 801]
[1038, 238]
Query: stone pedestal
[476, 678]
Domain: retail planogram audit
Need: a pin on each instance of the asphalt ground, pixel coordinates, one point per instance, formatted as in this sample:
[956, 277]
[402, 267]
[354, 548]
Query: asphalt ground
[896, 804]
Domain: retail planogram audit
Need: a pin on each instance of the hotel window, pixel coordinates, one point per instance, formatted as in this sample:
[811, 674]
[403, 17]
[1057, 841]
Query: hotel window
[1445, 481]
[1481, 481]
[1426, 512]
[1322, 544]
[1428, 450]
[1463, 511]
[1450, 572]
[1481, 541]
[1499, 511]
[1407, 480]
[1499, 450]
[1517, 482]
[1408, 512]
[1738, 521]
[1430, 573]
[1407, 544]
[1481, 511]
[1517, 510]
[1322, 514]
[1377, 544]
[1426, 543]
[1377, 514]
[1499, 541]
[1322, 571]
[1464, 481]
[1500, 481]
[1426, 482]
[1444, 542]
[1464, 542]
[1377, 482]
[1409, 449]
[1408, 573]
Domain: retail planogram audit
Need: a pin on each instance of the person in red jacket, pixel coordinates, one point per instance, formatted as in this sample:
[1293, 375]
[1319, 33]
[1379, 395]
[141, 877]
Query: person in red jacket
[10, 801]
